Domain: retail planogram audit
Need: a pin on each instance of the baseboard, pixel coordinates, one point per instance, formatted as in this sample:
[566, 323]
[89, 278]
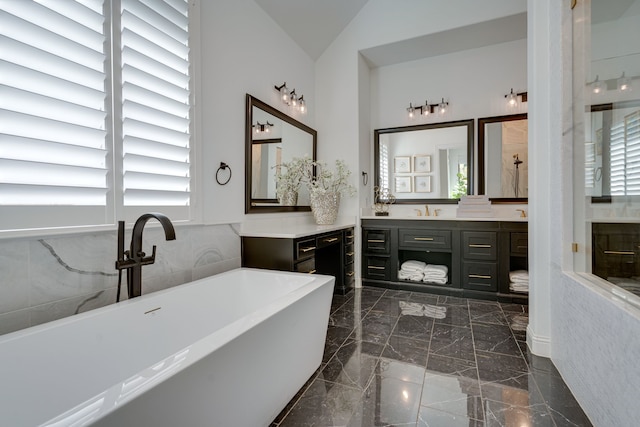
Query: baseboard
[538, 344]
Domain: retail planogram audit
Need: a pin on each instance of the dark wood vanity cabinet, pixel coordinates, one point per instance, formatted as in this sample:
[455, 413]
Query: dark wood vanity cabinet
[330, 253]
[478, 254]
[616, 250]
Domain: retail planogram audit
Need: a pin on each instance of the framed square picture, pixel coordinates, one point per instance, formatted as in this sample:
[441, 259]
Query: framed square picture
[403, 184]
[422, 184]
[402, 164]
[422, 163]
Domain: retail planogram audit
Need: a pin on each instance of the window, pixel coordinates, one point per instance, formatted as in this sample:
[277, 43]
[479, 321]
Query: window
[88, 133]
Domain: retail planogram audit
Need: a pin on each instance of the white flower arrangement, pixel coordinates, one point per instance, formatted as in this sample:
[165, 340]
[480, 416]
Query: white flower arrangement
[290, 175]
[327, 181]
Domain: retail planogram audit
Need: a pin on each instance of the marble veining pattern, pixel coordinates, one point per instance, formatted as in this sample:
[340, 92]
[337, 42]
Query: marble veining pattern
[385, 368]
[45, 279]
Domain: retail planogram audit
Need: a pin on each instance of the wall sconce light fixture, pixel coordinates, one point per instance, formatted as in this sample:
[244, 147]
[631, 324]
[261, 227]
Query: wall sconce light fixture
[291, 98]
[598, 86]
[512, 98]
[262, 127]
[426, 109]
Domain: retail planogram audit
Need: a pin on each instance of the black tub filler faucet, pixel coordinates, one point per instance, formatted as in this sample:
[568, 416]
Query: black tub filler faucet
[133, 259]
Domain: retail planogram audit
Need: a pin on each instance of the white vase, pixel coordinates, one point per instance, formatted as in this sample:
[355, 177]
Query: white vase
[325, 207]
[289, 198]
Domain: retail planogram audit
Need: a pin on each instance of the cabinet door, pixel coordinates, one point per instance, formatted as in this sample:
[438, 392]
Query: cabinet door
[481, 245]
[425, 239]
[519, 243]
[376, 240]
[305, 248]
[378, 268]
[480, 276]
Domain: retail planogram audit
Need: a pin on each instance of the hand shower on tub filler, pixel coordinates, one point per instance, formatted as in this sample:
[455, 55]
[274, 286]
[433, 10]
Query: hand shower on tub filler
[133, 259]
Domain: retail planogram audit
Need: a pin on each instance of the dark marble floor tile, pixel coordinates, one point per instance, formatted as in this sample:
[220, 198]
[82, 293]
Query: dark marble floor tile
[406, 350]
[495, 338]
[423, 298]
[452, 341]
[336, 336]
[430, 417]
[388, 401]
[451, 366]
[324, 404]
[521, 387]
[387, 306]
[345, 317]
[494, 367]
[452, 394]
[558, 397]
[376, 327]
[575, 418]
[487, 313]
[295, 398]
[353, 364]
[445, 299]
[416, 327]
[339, 300]
[457, 315]
[398, 294]
[538, 364]
[516, 414]
[514, 308]
[401, 370]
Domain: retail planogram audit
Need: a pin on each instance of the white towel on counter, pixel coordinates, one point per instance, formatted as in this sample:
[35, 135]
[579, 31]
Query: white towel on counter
[413, 265]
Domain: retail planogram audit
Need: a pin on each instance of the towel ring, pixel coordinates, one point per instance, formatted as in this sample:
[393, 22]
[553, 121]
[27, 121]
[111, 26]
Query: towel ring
[365, 178]
[223, 166]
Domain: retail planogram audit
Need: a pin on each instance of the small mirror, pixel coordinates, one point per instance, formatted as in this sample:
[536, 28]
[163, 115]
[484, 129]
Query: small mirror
[503, 162]
[425, 163]
[272, 138]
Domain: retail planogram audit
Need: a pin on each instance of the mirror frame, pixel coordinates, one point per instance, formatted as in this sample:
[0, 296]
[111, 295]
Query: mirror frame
[470, 156]
[481, 155]
[249, 206]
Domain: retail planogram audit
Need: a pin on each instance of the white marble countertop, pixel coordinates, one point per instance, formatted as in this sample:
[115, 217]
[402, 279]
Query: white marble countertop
[291, 227]
[447, 218]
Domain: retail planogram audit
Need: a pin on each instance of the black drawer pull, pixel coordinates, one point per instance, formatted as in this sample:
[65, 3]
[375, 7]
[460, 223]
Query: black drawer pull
[479, 246]
[620, 252]
[310, 248]
[429, 239]
[331, 240]
[375, 267]
[479, 276]
[375, 241]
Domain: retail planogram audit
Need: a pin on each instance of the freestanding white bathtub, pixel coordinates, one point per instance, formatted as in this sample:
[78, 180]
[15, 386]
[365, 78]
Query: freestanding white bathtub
[229, 350]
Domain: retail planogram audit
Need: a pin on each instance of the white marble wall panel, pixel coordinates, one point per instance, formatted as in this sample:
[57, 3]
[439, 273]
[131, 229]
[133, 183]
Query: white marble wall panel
[45, 279]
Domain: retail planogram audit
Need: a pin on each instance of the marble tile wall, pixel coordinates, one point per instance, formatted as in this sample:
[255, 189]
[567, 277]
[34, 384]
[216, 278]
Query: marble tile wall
[45, 279]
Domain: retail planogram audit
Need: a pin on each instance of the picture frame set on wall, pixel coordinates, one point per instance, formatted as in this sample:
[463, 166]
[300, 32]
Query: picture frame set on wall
[402, 164]
[422, 184]
[403, 184]
[414, 164]
[422, 163]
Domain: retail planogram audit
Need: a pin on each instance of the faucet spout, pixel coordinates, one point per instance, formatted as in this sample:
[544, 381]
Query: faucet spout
[135, 257]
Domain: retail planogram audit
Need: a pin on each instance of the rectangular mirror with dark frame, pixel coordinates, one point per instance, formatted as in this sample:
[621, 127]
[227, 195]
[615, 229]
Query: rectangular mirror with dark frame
[427, 163]
[503, 162]
[272, 138]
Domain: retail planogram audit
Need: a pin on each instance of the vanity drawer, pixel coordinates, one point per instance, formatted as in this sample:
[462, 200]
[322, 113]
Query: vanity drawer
[482, 245]
[519, 243]
[305, 248]
[377, 268]
[376, 240]
[349, 254]
[306, 266]
[425, 239]
[480, 276]
[329, 239]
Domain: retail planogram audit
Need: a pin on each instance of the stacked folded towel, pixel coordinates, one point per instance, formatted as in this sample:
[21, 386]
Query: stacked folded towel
[519, 281]
[412, 270]
[434, 273]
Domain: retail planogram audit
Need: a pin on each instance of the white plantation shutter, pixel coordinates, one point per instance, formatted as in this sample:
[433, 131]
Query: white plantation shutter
[52, 105]
[625, 156]
[155, 103]
[86, 131]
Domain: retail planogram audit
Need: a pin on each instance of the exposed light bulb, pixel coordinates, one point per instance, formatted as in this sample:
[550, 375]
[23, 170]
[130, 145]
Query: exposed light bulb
[442, 108]
[512, 99]
[302, 105]
[597, 86]
[411, 111]
[294, 99]
[624, 83]
[284, 93]
[426, 110]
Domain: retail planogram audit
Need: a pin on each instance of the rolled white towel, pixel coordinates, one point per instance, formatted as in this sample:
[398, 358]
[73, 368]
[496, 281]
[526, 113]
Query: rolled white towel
[436, 280]
[413, 265]
[436, 270]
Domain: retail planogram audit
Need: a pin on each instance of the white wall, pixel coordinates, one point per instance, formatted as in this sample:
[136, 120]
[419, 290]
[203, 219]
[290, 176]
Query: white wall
[243, 51]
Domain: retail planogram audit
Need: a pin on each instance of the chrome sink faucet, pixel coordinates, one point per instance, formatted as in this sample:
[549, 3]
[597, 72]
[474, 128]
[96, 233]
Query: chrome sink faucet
[133, 259]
